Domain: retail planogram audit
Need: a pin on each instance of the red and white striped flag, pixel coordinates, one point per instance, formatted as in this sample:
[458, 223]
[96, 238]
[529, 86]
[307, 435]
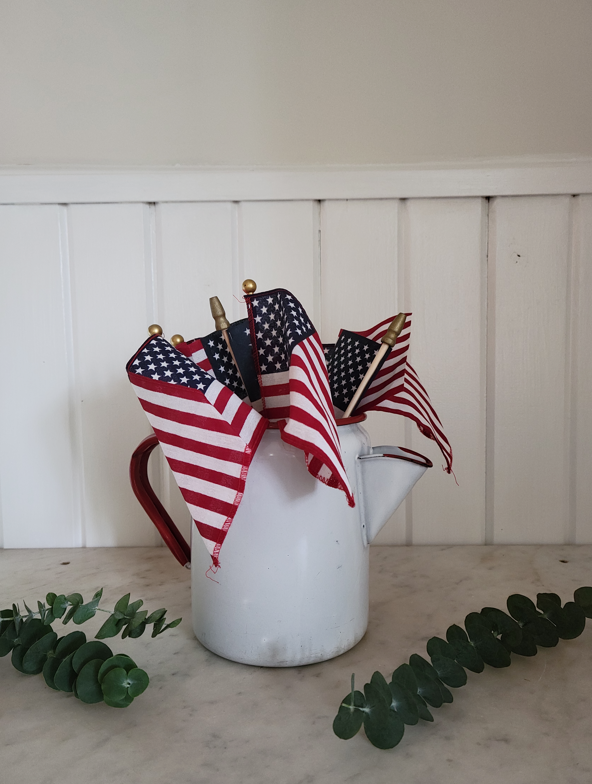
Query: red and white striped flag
[208, 435]
[294, 383]
[395, 388]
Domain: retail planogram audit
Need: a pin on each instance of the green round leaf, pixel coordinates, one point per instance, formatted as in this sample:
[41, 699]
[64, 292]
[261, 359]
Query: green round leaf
[383, 727]
[438, 647]
[419, 664]
[59, 605]
[543, 600]
[84, 613]
[95, 649]
[18, 654]
[137, 682]
[422, 708]
[521, 608]
[36, 656]
[573, 621]
[583, 597]
[456, 633]
[49, 670]
[8, 639]
[88, 688]
[119, 660]
[429, 689]
[543, 632]
[466, 655]
[349, 718]
[405, 677]
[50, 598]
[492, 651]
[502, 623]
[527, 646]
[114, 684]
[379, 681]
[403, 701]
[449, 672]
[65, 675]
[32, 630]
[69, 644]
[137, 631]
[123, 703]
[111, 627]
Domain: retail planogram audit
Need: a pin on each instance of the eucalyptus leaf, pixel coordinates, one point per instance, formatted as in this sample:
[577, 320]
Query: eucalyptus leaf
[449, 671]
[36, 656]
[456, 633]
[49, 670]
[467, 656]
[114, 684]
[438, 647]
[88, 688]
[18, 654]
[527, 646]
[65, 675]
[89, 651]
[119, 660]
[405, 677]
[543, 632]
[111, 627]
[504, 625]
[573, 621]
[69, 644]
[544, 598]
[133, 608]
[349, 716]
[8, 639]
[422, 708]
[379, 681]
[50, 599]
[137, 631]
[403, 702]
[59, 605]
[137, 682]
[384, 728]
[521, 608]
[156, 616]
[123, 703]
[583, 597]
[122, 604]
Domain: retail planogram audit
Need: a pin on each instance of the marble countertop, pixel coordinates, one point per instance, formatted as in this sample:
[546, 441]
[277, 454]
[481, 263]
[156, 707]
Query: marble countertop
[205, 719]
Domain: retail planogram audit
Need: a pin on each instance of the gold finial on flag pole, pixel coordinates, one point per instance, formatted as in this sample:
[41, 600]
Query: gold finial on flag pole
[249, 286]
[388, 340]
[222, 323]
[219, 314]
[176, 339]
[155, 329]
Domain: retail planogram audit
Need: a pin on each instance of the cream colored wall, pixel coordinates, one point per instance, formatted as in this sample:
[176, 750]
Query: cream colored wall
[290, 82]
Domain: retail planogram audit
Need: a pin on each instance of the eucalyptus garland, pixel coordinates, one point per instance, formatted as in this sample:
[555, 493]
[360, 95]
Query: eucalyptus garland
[88, 669]
[489, 637]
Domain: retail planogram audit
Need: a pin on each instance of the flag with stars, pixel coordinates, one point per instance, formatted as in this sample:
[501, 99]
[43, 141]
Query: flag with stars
[211, 353]
[294, 384]
[208, 435]
[395, 387]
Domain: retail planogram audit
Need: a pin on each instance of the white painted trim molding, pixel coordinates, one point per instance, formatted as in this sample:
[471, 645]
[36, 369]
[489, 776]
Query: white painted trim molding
[523, 177]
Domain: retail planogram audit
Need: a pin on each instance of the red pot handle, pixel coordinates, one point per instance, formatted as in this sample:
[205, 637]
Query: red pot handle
[143, 491]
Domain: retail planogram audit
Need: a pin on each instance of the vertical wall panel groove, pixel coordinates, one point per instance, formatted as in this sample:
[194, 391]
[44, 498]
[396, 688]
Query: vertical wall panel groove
[77, 447]
[582, 371]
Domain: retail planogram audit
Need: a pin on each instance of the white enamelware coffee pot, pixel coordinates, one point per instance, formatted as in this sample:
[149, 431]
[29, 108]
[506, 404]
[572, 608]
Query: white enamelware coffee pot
[292, 588]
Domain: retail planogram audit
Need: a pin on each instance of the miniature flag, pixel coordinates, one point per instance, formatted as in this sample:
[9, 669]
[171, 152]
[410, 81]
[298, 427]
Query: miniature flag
[294, 383]
[211, 353]
[208, 435]
[395, 387]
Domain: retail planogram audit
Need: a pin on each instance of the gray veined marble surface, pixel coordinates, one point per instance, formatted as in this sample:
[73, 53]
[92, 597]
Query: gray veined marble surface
[205, 719]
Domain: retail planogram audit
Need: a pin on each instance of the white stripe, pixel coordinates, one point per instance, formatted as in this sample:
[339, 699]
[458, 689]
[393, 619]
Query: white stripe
[199, 434]
[204, 487]
[206, 516]
[175, 403]
[250, 425]
[314, 438]
[201, 461]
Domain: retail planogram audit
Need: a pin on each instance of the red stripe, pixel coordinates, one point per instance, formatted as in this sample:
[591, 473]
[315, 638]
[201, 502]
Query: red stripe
[210, 533]
[213, 424]
[222, 399]
[207, 474]
[207, 502]
[230, 455]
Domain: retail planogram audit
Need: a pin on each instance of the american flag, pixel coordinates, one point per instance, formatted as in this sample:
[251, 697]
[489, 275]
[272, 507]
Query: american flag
[211, 353]
[395, 387]
[208, 435]
[294, 383]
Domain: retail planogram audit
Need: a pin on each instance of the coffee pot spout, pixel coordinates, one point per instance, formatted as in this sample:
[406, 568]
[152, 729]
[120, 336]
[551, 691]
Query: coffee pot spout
[385, 476]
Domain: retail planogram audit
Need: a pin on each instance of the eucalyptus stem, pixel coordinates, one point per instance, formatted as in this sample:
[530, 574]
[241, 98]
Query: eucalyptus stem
[71, 664]
[489, 637]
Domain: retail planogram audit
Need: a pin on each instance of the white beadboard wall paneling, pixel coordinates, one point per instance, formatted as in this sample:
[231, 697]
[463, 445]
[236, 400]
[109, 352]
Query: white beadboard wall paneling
[499, 177]
[38, 488]
[360, 287]
[528, 389]
[278, 243]
[107, 254]
[195, 259]
[581, 426]
[445, 242]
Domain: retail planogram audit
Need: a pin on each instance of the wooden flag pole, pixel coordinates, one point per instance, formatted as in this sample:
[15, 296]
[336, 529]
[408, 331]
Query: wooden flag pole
[222, 323]
[388, 340]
